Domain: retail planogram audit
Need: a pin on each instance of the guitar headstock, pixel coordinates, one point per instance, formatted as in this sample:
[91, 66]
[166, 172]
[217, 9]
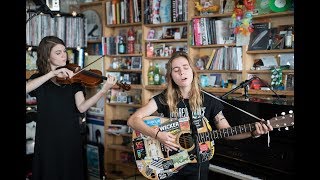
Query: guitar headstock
[284, 120]
[124, 85]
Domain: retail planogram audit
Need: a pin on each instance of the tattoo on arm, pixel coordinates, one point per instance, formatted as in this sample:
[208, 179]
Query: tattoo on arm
[219, 117]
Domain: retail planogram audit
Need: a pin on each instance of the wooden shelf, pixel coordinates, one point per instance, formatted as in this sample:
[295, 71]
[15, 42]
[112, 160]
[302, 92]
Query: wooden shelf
[213, 16]
[125, 164]
[155, 87]
[268, 71]
[123, 25]
[124, 135]
[157, 58]
[219, 71]
[166, 24]
[133, 86]
[125, 70]
[270, 15]
[119, 147]
[271, 51]
[165, 40]
[124, 55]
[214, 45]
[124, 104]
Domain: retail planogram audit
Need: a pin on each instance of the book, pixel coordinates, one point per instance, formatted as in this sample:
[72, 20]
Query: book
[289, 82]
[259, 38]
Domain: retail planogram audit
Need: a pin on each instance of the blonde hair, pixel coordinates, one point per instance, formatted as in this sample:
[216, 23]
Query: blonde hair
[173, 93]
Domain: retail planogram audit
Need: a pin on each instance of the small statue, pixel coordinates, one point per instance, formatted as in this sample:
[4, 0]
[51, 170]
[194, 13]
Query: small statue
[208, 8]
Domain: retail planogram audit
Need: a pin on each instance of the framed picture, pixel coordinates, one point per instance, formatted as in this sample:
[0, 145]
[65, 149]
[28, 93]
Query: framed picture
[136, 63]
[289, 82]
[171, 32]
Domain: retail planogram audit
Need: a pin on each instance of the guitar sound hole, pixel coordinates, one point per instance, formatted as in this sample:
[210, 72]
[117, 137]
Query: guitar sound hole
[185, 141]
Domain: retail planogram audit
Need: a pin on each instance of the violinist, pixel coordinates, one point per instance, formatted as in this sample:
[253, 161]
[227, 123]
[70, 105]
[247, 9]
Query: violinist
[183, 99]
[58, 152]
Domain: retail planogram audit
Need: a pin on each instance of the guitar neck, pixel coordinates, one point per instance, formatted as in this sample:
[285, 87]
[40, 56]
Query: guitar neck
[226, 132]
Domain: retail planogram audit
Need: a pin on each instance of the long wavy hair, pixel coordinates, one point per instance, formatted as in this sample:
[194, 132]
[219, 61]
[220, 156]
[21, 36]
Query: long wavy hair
[173, 93]
[43, 52]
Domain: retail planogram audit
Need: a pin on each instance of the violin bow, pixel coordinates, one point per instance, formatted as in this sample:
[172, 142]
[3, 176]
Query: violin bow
[89, 64]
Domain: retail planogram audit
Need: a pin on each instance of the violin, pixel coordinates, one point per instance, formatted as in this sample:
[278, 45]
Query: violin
[88, 78]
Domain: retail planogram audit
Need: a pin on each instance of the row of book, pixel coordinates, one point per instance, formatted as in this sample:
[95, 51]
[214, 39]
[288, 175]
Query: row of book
[229, 58]
[165, 11]
[123, 11]
[206, 31]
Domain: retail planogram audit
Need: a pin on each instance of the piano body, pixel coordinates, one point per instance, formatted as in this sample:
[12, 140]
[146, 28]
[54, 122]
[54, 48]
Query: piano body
[251, 158]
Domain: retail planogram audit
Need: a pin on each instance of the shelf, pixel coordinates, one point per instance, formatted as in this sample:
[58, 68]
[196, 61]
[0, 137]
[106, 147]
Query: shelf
[214, 45]
[218, 71]
[123, 25]
[271, 51]
[270, 15]
[125, 70]
[155, 87]
[166, 24]
[268, 71]
[124, 104]
[213, 16]
[125, 164]
[124, 55]
[133, 86]
[165, 40]
[157, 58]
[119, 147]
[124, 135]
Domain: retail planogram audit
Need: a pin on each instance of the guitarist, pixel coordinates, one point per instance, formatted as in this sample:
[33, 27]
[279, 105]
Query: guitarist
[183, 99]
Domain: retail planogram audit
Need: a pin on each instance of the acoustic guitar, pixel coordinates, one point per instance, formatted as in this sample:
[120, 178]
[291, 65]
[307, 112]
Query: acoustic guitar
[155, 162]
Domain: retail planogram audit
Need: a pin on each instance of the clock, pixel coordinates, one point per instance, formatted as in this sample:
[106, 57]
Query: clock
[94, 28]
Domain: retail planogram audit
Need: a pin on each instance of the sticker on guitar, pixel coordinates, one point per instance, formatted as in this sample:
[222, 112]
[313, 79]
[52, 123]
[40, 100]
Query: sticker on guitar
[155, 162]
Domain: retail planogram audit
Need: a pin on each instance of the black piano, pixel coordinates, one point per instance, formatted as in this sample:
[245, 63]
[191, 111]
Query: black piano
[252, 158]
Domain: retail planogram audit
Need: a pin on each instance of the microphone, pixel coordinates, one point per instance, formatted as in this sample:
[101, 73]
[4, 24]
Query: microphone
[95, 27]
[45, 8]
[241, 85]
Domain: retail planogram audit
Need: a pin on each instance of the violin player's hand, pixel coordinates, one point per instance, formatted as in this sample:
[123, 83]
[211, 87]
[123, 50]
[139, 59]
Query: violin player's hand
[109, 83]
[63, 73]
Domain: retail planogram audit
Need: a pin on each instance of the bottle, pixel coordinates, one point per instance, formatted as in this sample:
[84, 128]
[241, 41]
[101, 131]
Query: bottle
[150, 74]
[156, 74]
[121, 46]
[130, 41]
[288, 39]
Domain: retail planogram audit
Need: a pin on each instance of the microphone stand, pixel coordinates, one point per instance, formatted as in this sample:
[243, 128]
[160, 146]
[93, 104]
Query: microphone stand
[195, 140]
[194, 134]
[244, 85]
[43, 8]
